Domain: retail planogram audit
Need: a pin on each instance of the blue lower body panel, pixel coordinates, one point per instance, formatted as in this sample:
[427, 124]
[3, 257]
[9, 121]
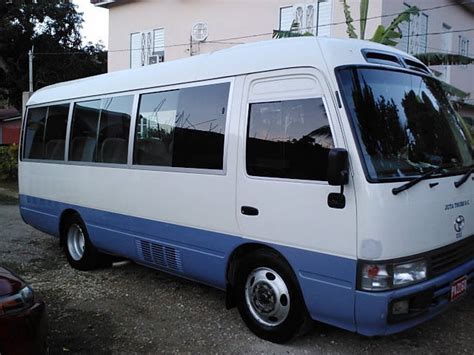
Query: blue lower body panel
[372, 308]
[327, 282]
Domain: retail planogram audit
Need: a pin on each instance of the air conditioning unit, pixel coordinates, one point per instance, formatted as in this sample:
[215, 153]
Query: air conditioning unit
[152, 59]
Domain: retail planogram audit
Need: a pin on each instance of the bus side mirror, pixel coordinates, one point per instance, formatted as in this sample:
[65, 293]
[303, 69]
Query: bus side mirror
[338, 167]
[338, 175]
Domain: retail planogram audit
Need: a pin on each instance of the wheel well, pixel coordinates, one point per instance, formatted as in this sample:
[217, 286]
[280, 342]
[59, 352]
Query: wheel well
[63, 222]
[240, 253]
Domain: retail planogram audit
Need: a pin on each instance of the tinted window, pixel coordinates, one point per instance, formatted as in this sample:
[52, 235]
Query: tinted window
[34, 133]
[289, 139]
[115, 118]
[155, 128]
[404, 123]
[183, 128]
[85, 123]
[55, 135]
[100, 130]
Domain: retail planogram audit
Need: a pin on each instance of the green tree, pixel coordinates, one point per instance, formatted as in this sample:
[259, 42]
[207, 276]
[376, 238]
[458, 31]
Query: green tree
[53, 28]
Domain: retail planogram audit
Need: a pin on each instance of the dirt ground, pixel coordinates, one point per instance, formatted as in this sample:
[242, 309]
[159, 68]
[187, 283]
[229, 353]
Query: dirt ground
[132, 309]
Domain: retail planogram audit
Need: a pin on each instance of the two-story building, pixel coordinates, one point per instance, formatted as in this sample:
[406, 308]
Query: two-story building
[146, 32]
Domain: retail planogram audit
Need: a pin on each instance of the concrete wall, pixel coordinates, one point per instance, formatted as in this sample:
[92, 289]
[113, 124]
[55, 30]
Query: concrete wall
[225, 18]
[451, 15]
[228, 19]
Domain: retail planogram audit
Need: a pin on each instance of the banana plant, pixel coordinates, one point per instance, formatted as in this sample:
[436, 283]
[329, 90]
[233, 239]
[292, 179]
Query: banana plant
[350, 27]
[364, 10]
[293, 32]
[436, 58]
[385, 35]
[391, 34]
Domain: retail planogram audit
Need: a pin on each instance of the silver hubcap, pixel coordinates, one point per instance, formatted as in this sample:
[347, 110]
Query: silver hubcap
[267, 297]
[76, 242]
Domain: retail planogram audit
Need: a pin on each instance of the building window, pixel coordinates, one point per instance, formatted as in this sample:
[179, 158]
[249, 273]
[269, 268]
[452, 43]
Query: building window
[100, 130]
[147, 47]
[286, 18]
[414, 34]
[314, 17]
[463, 46]
[289, 139]
[182, 128]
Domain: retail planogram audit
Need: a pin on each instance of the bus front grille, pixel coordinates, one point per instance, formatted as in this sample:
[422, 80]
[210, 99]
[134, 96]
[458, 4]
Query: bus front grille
[447, 258]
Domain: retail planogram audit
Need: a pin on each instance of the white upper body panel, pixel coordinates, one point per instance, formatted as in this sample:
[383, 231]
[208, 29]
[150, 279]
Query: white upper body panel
[385, 226]
[238, 60]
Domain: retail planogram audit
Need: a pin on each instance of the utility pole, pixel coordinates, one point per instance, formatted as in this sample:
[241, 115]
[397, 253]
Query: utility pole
[30, 62]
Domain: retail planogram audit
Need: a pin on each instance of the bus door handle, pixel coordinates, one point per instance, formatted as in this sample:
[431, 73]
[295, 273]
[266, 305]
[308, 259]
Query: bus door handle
[249, 211]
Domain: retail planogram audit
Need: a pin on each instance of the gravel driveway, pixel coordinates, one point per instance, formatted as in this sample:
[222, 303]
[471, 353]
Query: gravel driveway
[129, 308]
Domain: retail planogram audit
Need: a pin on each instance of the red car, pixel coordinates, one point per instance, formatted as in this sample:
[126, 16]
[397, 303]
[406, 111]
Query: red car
[23, 323]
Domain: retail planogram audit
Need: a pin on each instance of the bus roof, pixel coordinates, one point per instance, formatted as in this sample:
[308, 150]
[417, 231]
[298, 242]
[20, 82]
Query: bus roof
[241, 59]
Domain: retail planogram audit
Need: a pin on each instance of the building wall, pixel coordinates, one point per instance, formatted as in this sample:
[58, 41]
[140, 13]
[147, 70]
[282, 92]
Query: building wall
[10, 132]
[225, 18]
[453, 16]
[255, 21]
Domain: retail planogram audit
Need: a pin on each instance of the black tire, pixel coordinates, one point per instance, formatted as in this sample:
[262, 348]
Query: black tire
[90, 258]
[296, 318]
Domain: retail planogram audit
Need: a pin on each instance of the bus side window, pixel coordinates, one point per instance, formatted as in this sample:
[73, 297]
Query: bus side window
[182, 128]
[45, 133]
[83, 140]
[55, 135]
[115, 116]
[289, 139]
[100, 130]
[34, 133]
[154, 132]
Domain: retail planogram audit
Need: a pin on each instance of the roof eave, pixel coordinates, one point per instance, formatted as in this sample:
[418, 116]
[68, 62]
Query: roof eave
[102, 3]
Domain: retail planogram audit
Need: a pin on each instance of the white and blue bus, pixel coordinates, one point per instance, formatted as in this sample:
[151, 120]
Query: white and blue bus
[312, 179]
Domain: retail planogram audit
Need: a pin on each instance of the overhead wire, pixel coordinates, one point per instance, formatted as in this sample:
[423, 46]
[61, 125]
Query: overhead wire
[230, 40]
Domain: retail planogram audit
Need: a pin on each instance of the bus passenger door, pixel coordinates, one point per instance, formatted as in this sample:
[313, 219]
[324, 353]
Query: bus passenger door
[289, 125]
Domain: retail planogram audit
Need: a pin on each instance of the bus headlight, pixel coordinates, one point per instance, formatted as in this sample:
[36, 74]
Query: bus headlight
[381, 277]
[409, 273]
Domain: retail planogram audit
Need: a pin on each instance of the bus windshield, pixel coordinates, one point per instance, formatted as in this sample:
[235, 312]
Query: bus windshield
[404, 124]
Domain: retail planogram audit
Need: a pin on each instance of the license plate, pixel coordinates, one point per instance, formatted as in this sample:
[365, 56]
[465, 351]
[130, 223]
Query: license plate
[458, 288]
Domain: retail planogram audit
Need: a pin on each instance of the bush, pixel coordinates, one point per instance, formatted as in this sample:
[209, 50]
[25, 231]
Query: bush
[9, 162]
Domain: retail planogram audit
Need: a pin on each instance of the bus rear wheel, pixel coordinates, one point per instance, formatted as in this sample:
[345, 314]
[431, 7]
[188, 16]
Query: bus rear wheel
[80, 252]
[268, 297]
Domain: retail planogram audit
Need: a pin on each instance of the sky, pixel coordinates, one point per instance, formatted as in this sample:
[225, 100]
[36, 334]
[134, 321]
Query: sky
[96, 22]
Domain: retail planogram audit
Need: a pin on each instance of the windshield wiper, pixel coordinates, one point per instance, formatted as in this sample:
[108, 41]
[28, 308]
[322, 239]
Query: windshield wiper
[415, 181]
[464, 177]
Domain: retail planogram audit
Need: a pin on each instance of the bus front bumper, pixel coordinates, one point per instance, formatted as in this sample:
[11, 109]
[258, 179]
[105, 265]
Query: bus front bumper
[374, 311]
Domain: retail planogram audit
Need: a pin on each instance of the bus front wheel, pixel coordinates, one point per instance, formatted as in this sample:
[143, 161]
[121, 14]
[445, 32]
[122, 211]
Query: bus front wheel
[268, 297]
[80, 252]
